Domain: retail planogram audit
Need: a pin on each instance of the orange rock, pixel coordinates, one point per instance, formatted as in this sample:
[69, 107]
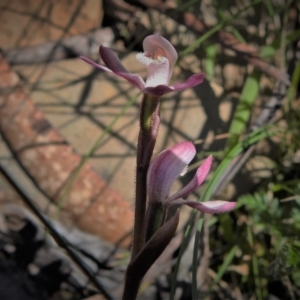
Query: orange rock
[33, 22]
[50, 161]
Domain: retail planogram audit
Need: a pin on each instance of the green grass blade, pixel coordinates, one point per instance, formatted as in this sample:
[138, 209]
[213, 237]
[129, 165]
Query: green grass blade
[224, 266]
[195, 258]
[252, 138]
[243, 111]
[233, 29]
[270, 8]
[269, 51]
[293, 36]
[255, 265]
[183, 246]
[292, 91]
[87, 156]
[216, 28]
[211, 52]
[238, 35]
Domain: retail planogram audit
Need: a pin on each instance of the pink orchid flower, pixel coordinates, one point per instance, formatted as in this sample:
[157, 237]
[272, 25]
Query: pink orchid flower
[171, 163]
[159, 57]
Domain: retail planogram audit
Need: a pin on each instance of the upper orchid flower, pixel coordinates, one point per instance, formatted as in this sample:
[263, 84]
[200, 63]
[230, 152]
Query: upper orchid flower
[159, 57]
[171, 163]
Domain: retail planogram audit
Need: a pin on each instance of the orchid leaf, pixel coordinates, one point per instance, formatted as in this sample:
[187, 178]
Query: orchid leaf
[139, 266]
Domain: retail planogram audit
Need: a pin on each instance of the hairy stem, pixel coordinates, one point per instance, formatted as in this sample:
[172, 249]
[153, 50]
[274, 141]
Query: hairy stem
[149, 124]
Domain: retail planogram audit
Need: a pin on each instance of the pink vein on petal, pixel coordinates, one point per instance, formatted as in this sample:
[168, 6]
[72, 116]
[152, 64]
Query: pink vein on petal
[190, 82]
[198, 179]
[166, 167]
[211, 207]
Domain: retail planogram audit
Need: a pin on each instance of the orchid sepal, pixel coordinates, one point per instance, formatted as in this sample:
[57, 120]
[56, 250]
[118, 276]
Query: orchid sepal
[210, 207]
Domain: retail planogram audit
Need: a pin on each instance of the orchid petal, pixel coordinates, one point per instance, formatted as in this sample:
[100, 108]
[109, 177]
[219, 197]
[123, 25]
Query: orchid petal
[113, 62]
[158, 73]
[165, 168]
[92, 63]
[161, 90]
[115, 66]
[159, 57]
[190, 82]
[210, 207]
[199, 177]
[156, 43]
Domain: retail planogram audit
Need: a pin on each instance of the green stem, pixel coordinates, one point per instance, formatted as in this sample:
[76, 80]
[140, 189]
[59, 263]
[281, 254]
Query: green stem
[200, 221]
[255, 265]
[155, 217]
[149, 124]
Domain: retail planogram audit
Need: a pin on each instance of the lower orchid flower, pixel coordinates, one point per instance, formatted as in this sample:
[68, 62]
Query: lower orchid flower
[167, 166]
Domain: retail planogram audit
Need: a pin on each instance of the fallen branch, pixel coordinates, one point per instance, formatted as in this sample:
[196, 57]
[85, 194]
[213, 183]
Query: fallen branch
[57, 237]
[85, 44]
[93, 205]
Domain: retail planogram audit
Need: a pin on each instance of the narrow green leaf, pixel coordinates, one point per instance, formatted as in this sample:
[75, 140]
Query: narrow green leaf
[215, 29]
[243, 111]
[295, 83]
[224, 266]
[269, 50]
[238, 35]
[293, 36]
[255, 265]
[252, 138]
[183, 246]
[195, 258]
[270, 8]
[147, 256]
[211, 52]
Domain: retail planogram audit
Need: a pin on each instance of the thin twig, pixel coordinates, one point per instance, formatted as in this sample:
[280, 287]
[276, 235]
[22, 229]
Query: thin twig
[57, 237]
[226, 39]
[86, 44]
